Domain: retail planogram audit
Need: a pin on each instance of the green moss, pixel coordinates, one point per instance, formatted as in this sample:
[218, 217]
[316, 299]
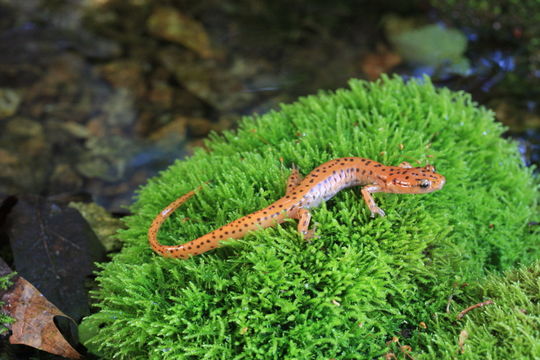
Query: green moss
[345, 294]
[5, 283]
[507, 329]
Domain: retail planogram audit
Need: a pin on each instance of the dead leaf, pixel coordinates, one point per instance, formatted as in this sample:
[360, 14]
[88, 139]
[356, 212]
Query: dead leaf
[54, 248]
[380, 62]
[34, 317]
[463, 335]
[170, 24]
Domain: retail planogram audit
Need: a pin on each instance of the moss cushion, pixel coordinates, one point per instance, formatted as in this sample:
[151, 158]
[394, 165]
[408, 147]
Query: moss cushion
[363, 283]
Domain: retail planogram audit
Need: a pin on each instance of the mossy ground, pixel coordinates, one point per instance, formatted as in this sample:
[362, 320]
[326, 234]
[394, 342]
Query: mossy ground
[5, 320]
[363, 281]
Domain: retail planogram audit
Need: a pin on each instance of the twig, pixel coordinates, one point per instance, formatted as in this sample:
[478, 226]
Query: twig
[464, 312]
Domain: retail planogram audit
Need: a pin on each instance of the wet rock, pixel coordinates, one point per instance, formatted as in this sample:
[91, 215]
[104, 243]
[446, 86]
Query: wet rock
[107, 158]
[76, 130]
[35, 147]
[24, 127]
[65, 179]
[430, 45]
[7, 158]
[170, 24]
[104, 225]
[94, 167]
[175, 129]
[120, 108]
[96, 126]
[9, 102]
[205, 80]
[126, 74]
[199, 126]
[161, 94]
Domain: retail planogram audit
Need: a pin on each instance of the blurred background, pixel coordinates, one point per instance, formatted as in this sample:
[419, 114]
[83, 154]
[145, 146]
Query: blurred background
[96, 96]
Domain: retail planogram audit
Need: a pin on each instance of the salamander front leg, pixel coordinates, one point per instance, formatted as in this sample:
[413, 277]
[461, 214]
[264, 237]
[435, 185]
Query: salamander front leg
[304, 217]
[366, 194]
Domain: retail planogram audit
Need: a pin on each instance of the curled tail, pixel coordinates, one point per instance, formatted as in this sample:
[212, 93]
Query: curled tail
[174, 251]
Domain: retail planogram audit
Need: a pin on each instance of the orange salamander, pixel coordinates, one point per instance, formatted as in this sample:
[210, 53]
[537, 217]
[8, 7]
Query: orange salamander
[304, 194]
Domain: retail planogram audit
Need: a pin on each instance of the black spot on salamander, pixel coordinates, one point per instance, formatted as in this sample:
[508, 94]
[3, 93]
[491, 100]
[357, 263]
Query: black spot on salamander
[311, 181]
[368, 162]
[406, 177]
[342, 164]
[351, 159]
[370, 172]
[363, 171]
[208, 241]
[378, 165]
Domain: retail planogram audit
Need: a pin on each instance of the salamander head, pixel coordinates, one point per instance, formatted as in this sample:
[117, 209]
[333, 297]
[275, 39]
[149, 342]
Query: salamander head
[414, 180]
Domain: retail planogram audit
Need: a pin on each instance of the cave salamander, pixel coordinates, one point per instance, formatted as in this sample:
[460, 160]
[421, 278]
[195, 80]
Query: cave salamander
[303, 194]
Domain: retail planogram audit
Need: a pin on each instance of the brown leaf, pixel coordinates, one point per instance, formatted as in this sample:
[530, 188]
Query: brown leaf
[382, 61]
[34, 317]
[170, 24]
[54, 248]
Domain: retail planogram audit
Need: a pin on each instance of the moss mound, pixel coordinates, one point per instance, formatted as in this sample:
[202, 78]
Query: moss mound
[364, 281]
[507, 329]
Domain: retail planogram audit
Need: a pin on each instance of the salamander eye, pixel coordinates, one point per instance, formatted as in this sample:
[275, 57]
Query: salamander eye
[424, 183]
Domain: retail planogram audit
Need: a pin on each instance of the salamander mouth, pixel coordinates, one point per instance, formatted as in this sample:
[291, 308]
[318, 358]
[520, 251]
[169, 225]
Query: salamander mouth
[441, 183]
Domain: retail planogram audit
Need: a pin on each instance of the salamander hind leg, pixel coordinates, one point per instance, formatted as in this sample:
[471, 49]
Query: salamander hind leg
[294, 179]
